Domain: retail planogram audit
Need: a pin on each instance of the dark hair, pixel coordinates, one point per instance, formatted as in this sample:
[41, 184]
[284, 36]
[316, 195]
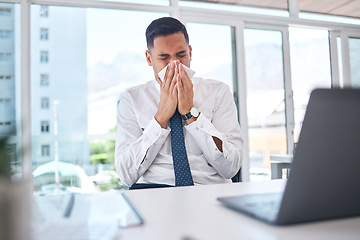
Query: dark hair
[163, 27]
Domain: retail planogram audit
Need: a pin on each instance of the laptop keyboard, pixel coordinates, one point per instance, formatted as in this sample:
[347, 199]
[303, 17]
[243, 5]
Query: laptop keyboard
[265, 206]
[267, 210]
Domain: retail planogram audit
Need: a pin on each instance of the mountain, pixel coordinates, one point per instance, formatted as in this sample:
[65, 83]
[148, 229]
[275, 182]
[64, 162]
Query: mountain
[128, 69]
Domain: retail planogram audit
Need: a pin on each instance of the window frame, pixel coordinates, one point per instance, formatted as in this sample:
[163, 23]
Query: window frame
[45, 150]
[45, 126]
[44, 34]
[44, 56]
[45, 103]
[235, 19]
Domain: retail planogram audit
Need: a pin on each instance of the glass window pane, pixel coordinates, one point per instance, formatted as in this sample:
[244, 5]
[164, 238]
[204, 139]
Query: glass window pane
[310, 68]
[354, 50]
[152, 2]
[265, 99]
[254, 7]
[10, 89]
[92, 56]
[211, 53]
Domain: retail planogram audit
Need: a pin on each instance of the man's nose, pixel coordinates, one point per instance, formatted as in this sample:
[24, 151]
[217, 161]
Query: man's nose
[174, 59]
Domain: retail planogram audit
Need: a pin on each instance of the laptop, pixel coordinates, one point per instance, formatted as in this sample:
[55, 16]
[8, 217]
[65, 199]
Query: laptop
[324, 180]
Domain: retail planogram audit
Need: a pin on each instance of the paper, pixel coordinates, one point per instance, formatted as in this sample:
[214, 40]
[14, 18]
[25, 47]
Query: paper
[93, 216]
[189, 71]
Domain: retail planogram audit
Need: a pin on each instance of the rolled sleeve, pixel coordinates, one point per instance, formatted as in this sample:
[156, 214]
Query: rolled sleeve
[203, 130]
[224, 126]
[135, 148]
[154, 138]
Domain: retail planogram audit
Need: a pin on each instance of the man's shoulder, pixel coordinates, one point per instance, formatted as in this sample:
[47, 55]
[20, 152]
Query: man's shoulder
[139, 89]
[209, 83]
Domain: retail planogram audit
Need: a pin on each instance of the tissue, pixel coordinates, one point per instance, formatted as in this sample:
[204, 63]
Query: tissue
[188, 71]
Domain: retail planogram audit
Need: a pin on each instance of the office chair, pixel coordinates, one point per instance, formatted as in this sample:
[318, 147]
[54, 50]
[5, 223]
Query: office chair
[237, 177]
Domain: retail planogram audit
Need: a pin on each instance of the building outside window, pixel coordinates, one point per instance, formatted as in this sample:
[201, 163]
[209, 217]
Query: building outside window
[44, 56]
[44, 80]
[4, 34]
[5, 57]
[5, 11]
[45, 126]
[44, 11]
[45, 150]
[2, 112]
[45, 103]
[44, 34]
[5, 111]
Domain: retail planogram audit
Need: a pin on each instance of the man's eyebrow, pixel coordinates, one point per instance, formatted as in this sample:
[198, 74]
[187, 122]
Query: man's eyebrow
[181, 52]
[163, 55]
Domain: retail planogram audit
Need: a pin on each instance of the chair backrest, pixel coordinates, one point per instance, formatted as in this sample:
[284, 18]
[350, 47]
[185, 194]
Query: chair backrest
[237, 177]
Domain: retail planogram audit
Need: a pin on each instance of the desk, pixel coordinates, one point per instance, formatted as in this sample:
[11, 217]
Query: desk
[199, 216]
[193, 213]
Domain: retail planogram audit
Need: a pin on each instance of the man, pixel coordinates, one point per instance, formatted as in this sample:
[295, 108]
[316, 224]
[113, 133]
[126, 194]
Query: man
[213, 140]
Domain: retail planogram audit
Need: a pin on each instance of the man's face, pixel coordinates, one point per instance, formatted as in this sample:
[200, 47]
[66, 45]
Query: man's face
[166, 49]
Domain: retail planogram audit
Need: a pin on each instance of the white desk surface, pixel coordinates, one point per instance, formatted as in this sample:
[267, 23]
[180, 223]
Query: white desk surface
[193, 213]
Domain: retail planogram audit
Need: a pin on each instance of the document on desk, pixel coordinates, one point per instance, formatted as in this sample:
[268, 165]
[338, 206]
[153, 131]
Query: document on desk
[86, 216]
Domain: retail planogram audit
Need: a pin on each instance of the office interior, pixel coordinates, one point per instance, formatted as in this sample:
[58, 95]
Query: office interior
[64, 64]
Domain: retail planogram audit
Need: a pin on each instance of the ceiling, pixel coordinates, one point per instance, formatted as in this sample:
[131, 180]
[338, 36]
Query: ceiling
[346, 8]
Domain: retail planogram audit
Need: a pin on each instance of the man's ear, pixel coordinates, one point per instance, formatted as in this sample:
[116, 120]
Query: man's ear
[148, 57]
[190, 52]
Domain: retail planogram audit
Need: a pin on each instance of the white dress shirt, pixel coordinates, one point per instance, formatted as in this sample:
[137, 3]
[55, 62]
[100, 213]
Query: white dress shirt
[143, 148]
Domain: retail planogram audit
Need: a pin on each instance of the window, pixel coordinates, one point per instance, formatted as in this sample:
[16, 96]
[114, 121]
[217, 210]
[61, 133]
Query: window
[4, 34]
[45, 150]
[44, 56]
[44, 34]
[10, 70]
[45, 103]
[6, 112]
[85, 53]
[44, 11]
[202, 38]
[5, 11]
[354, 49]
[2, 112]
[5, 57]
[265, 99]
[310, 68]
[45, 126]
[5, 77]
[44, 80]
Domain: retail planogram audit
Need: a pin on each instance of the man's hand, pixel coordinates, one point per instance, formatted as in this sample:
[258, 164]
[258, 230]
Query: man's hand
[185, 91]
[168, 96]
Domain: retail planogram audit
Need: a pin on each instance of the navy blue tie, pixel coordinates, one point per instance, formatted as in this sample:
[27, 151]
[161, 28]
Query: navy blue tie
[181, 164]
